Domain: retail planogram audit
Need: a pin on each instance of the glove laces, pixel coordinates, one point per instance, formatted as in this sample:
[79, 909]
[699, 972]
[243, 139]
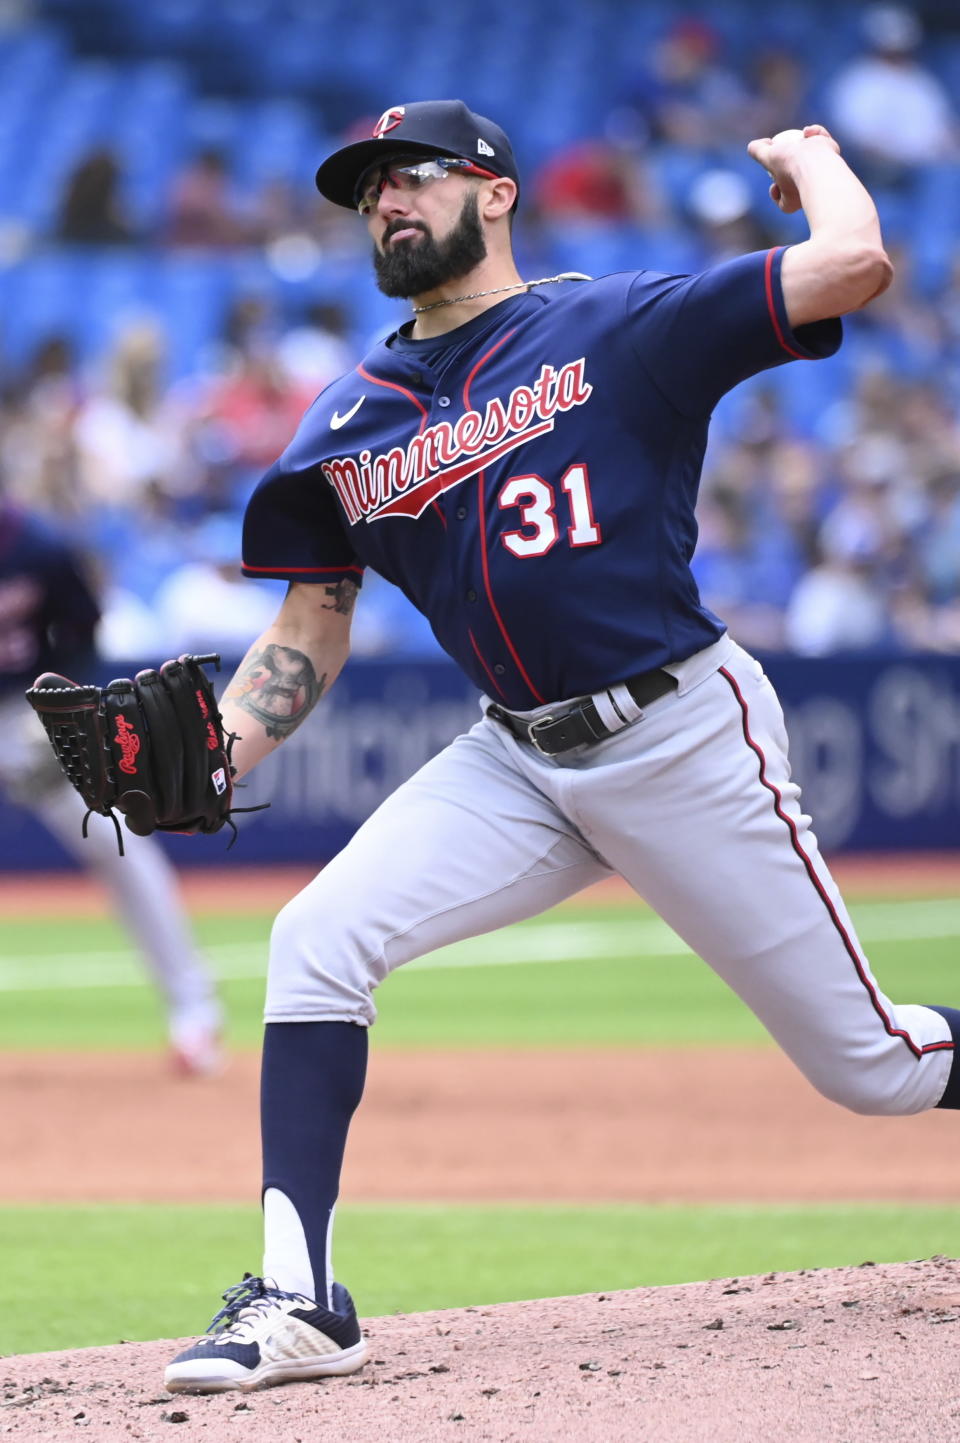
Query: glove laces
[109, 812]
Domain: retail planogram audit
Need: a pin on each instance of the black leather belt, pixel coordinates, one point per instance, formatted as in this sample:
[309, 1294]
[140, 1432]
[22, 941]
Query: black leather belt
[580, 725]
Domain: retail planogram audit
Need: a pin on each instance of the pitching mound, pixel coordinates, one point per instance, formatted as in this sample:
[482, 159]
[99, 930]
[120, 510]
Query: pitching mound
[810, 1357]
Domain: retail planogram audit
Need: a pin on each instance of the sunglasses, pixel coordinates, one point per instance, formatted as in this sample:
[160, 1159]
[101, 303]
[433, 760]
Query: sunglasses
[412, 176]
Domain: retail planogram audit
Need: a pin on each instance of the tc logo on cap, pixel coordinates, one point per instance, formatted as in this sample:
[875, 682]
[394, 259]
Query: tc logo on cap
[389, 120]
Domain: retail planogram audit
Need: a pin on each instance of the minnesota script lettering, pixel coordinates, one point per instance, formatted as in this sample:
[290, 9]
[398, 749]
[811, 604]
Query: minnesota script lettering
[406, 479]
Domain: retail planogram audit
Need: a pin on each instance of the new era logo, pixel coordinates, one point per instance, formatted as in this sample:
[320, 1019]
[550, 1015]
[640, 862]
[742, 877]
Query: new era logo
[484, 149]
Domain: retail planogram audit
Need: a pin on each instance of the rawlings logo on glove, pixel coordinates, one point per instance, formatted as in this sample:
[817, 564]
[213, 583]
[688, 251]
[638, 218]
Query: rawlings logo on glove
[126, 739]
[153, 748]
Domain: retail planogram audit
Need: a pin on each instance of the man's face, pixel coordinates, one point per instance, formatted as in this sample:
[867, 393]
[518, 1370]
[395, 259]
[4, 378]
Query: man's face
[425, 238]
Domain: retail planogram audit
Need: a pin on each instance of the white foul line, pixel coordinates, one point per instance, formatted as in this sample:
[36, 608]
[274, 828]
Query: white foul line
[615, 936]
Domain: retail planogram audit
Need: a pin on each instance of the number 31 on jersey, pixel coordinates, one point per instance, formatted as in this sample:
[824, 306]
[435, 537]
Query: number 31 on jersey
[536, 500]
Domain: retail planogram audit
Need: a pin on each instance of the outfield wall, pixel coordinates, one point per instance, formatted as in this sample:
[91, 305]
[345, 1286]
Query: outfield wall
[875, 744]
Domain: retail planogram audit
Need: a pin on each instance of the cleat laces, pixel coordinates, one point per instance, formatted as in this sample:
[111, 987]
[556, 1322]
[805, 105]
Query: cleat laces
[244, 1305]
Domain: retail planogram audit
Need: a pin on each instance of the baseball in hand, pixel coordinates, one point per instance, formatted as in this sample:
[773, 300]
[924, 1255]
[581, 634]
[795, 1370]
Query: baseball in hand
[774, 153]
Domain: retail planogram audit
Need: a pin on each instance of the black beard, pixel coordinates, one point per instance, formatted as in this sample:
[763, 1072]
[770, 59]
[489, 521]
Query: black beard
[414, 267]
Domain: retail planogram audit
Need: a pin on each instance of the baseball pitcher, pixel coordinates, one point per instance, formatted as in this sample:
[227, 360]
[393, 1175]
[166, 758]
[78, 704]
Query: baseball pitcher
[522, 458]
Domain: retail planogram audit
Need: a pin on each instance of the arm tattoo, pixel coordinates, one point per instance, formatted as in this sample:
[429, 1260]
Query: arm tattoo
[341, 597]
[277, 686]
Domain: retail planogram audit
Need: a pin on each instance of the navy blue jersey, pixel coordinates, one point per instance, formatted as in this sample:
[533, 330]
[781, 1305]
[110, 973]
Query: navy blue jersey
[48, 613]
[529, 479]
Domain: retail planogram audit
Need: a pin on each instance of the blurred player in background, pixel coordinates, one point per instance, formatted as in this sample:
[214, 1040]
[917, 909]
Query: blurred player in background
[48, 619]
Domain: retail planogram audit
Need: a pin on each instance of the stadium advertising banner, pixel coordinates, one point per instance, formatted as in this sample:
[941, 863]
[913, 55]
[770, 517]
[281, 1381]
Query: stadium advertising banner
[876, 748]
[875, 745]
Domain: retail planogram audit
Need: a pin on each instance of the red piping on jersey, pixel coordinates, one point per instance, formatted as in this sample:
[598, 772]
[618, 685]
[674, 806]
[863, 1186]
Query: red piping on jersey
[851, 950]
[482, 660]
[484, 559]
[771, 307]
[482, 362]
[392, 386]
[312, 570]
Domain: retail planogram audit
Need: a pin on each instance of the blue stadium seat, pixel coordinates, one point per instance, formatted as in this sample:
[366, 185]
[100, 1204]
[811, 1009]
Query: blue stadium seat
[270, 80]
[40, 302]
[164, 27]
[113, 294]
[278, 139]
[191, 292]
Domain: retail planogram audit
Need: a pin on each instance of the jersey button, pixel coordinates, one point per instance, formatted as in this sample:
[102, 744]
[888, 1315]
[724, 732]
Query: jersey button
[499, 668]
[471, 595]
[461, 513]
[443, 400]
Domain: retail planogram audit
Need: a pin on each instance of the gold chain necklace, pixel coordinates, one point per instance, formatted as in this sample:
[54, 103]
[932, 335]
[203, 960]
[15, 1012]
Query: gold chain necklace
[498, 290]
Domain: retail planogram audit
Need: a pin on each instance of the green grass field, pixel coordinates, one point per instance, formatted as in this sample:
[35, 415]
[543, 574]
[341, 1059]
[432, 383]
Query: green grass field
[99, 1275]
[576, 977]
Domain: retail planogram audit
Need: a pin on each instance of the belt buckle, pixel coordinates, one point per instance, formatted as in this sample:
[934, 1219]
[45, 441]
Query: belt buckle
[532, 733]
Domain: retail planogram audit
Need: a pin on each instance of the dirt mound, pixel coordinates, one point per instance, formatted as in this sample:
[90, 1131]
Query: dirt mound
[806, 1357]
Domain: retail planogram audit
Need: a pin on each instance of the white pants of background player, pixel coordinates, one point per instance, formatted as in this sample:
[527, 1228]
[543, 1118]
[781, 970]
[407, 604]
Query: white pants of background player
[694, 806]
[142, 886]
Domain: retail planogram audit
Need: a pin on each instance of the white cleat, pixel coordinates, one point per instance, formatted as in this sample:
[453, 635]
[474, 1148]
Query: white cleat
[265, 1336]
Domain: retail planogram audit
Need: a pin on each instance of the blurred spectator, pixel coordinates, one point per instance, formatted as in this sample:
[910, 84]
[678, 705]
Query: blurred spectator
[946, 309]
[91, 212]
[779, 85]
[838, 605]
[202, 207]
[758, 519]
[938, 542]
[928, 619]
[252, 324]
[910, 327]
[593, 180]
[121, 432]
[206, 603]
[726, 567]
[38, 453]
[719, 207]
[843, 603]
[53, 366]
[249, 415]
[689, 96]
[279, 210]
[317, 350]
[864, 523]
[886, 106]
[839, 488]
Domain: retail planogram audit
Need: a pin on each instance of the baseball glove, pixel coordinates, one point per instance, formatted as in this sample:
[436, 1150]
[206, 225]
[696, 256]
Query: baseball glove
[153, 748]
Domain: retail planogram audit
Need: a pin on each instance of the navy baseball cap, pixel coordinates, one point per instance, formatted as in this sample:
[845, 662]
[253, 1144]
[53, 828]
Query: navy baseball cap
[427, 127]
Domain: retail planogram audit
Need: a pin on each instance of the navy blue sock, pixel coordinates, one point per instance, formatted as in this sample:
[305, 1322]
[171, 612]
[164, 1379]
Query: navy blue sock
[951, 1093]
[311, 1080]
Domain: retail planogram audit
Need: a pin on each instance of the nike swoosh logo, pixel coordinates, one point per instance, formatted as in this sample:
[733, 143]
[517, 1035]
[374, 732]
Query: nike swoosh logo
[336, 420]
